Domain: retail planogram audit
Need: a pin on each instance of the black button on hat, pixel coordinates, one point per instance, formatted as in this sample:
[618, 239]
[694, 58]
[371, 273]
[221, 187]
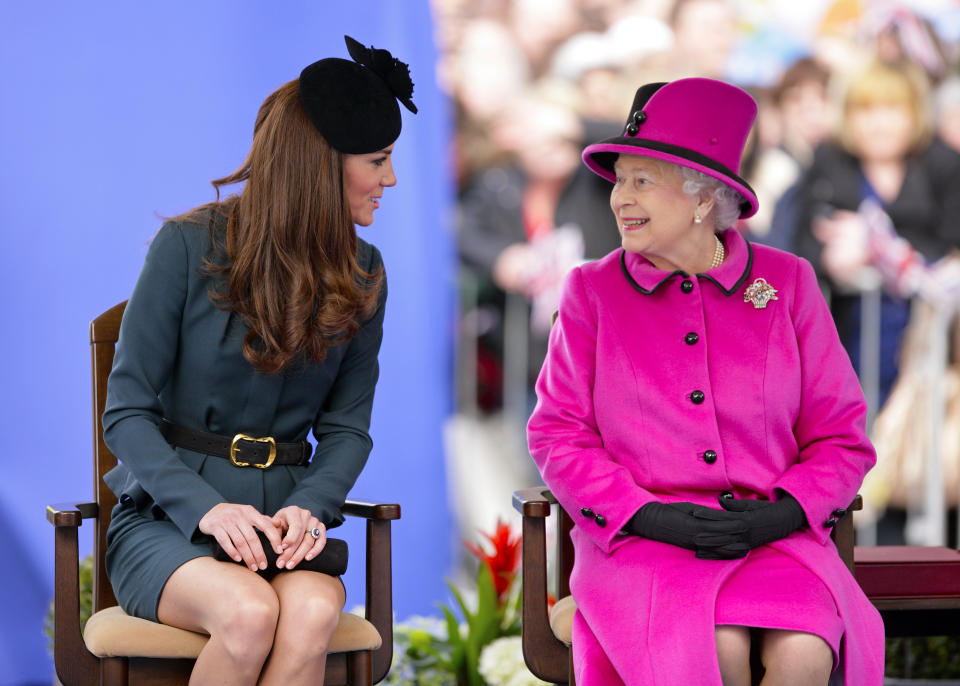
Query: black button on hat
[697, 397]
[830, 523]
[691, 338]
[586, 512]
[600, 520]
[686, 286]
[354, 104]
[710, 456]
[839, 512]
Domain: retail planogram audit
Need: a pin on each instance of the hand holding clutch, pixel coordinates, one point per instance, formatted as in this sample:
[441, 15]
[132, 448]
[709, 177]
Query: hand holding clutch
[332, 559]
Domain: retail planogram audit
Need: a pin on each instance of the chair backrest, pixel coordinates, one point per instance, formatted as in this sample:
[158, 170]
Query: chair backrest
[104, 331]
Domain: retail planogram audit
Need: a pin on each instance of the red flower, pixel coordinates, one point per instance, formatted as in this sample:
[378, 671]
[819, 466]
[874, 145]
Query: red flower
[505, 559]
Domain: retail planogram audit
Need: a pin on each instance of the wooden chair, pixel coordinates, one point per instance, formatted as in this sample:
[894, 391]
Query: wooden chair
[547, 631]
[116, 649]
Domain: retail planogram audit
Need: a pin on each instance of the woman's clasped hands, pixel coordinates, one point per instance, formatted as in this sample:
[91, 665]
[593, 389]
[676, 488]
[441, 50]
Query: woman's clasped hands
[713, 534]
[289, 535]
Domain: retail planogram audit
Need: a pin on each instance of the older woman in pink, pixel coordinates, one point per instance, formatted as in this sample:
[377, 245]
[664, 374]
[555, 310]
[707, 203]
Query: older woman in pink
[699, 419]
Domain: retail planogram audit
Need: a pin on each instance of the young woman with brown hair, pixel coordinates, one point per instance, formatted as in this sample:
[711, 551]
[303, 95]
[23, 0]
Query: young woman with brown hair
[256, 319]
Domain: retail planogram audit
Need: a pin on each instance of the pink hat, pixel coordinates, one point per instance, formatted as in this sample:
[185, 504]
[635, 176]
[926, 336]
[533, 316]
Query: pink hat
[697, 123]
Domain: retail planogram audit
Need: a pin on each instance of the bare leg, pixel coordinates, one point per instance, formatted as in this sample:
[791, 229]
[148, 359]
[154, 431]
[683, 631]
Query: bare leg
[795, 658]
[235, 606]
[733, 653]
[310, 606]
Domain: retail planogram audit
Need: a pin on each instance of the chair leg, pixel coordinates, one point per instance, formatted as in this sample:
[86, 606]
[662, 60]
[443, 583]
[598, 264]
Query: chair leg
[113, 671]
[360, 668]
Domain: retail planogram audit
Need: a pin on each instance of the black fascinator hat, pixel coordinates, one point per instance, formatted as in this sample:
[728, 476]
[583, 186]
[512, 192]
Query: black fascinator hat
[354, 104]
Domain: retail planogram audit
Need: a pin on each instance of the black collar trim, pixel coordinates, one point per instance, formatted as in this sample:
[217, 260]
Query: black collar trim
[638, 287]
[728, 291]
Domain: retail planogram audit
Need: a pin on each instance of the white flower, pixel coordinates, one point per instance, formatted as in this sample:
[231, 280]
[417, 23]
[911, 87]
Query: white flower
[501, 664]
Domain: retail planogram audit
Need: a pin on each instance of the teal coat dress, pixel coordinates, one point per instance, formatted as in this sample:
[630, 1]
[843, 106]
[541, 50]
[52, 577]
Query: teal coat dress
[179, 357]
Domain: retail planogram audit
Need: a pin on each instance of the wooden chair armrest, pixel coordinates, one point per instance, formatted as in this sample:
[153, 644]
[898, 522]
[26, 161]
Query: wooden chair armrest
[378, 607]
[71, 514]
[369, 509]
[545, 656]
[533, 502]
[70, 655]
[843, 534]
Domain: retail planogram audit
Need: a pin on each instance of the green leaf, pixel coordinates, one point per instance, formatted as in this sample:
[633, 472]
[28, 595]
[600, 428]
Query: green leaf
[488, 611]
[453, 627]
[434, 653]
[457, 663]
[473, 664]
[486, 591]
[470, 617]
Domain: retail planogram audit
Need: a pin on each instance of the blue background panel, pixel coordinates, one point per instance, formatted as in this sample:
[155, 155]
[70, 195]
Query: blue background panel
[114, 115]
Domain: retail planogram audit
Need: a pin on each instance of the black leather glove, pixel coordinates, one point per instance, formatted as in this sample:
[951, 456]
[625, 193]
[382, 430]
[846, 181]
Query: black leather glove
[332, 559]
[712, 534]
[766, 520]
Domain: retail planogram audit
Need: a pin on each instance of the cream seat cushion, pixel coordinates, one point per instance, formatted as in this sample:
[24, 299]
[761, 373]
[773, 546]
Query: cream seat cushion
[561, 618]
[114, 633]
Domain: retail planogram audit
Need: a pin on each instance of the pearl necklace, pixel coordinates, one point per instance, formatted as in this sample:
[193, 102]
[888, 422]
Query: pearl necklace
[718, 253]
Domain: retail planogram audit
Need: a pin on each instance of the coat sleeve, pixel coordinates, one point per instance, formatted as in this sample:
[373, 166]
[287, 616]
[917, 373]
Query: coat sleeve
[342, 426]
[563, 436]
[144, 359]
[834, 451]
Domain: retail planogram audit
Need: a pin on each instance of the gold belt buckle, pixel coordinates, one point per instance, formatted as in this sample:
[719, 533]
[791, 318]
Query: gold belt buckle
[244, 437]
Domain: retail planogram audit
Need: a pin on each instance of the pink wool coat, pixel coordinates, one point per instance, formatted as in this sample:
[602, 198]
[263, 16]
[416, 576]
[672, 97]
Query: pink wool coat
[669, 387]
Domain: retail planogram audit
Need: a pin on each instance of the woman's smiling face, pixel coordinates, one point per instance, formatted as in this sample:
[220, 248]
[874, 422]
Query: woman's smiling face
[365, 176]
[654, 215]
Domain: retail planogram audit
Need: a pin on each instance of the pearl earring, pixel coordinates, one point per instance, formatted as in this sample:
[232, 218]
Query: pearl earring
[697, 219]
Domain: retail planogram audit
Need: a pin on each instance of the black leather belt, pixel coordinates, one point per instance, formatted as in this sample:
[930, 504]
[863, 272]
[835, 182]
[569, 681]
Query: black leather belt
[242, 450]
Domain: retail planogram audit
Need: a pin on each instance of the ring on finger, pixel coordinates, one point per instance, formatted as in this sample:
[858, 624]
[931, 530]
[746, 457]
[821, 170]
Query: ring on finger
[315, 532]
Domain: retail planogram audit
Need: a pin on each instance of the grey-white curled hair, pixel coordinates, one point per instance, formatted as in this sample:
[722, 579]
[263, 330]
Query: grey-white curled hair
[726, 200]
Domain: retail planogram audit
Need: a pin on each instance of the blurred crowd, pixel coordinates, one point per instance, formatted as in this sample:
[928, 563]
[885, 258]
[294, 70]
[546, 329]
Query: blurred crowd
[854, 158]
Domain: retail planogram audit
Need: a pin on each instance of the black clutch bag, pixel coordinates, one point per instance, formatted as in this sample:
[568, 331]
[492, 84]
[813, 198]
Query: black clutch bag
[332, 559]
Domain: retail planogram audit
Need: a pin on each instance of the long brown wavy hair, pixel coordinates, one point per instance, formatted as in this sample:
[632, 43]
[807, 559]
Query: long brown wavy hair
[291, 271]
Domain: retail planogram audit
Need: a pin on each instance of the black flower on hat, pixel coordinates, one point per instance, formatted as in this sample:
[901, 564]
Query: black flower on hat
[389, 68]
[353, 104]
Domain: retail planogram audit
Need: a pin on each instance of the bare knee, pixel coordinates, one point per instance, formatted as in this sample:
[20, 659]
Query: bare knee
[317, 615]
[795, 657]
[733, 655]
[310, 605]
[247, 624]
